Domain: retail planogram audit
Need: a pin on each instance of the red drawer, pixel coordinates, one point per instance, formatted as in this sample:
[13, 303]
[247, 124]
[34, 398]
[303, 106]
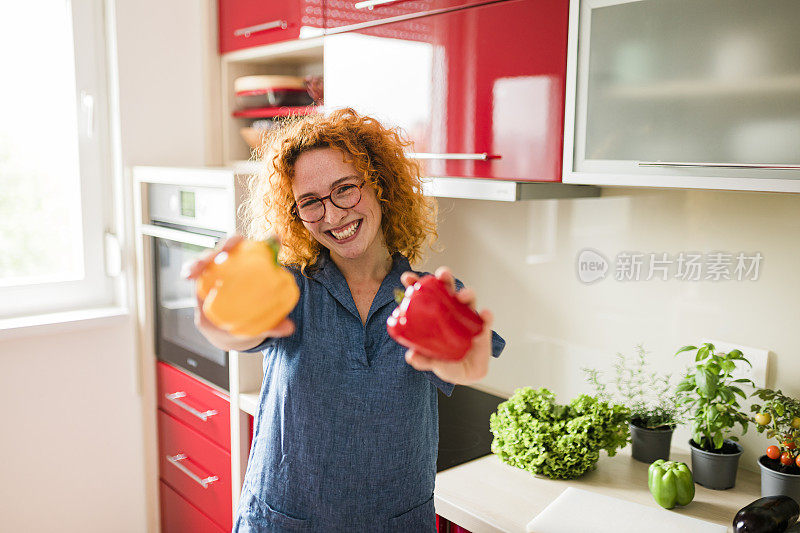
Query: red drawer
[194, 403]
[188, 462]
[180, 516]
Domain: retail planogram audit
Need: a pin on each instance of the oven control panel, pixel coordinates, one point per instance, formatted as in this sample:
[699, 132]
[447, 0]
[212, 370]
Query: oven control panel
[194, 206]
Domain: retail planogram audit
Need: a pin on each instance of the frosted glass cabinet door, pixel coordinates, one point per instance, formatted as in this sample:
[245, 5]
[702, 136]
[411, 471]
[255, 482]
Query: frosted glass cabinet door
[684, 93]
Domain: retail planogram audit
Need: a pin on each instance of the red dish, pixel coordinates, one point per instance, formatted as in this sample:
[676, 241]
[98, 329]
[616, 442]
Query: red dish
[269, 112]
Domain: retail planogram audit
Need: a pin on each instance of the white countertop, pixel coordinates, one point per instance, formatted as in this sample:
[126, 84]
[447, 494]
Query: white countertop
[488, 496]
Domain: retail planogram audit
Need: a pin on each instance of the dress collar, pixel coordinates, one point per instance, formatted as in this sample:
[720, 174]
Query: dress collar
[328, 274]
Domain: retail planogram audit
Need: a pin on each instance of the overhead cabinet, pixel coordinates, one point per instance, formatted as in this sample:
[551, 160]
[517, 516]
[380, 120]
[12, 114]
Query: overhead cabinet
[684, 93]
[480, 91]
[340, 14]
[249, 23]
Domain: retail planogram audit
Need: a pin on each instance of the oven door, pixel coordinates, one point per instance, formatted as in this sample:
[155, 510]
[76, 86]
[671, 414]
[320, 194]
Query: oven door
[177, 339]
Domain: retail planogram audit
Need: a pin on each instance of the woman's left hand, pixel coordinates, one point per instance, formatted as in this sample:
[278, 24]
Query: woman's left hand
[475, 364]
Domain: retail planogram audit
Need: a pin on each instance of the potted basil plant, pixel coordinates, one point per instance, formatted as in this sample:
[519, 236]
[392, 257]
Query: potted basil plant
[779, 418]
[653, 403]
[710, 392]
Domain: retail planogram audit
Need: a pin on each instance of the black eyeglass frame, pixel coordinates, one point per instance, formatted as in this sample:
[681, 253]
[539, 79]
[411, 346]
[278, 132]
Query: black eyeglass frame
[296, 208]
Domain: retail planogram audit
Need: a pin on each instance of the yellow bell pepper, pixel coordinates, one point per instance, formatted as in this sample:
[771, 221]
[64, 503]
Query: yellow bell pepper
[245, 291]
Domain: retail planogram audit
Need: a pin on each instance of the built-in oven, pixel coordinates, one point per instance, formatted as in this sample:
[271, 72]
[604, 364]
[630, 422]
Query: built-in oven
[184, 221]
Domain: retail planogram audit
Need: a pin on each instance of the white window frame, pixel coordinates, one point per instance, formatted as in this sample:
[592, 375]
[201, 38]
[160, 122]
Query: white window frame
[97, 289]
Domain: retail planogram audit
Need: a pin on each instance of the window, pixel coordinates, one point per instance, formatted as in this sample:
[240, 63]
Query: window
[55, 173]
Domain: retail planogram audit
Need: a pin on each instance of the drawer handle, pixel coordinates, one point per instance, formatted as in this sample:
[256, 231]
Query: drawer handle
[274, 25]
[674, 164]
[369, 4]
[470, 157]
[176, 461]
[175, 398]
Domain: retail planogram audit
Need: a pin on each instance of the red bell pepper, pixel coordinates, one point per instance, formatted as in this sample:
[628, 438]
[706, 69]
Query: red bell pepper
[433, 322]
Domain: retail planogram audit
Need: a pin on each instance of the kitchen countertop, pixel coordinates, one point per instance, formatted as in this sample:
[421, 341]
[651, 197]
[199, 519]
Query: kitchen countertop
[488, 496]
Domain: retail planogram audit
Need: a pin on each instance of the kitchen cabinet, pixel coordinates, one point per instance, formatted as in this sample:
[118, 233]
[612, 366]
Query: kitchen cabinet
[180, 516]
[216, 433]
[339, 14]
[480, 91]
[685, 93]
[249, 23]
[194, 452]
[196, 404]
[446, 526]
[196, 468]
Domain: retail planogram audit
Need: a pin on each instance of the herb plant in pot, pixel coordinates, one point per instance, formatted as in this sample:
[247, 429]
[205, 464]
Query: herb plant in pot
[709, 392]
[779, 418]
[651, 399]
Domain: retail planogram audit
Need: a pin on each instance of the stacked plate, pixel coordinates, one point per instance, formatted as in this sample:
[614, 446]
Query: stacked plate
[268, 99]
[259, 92]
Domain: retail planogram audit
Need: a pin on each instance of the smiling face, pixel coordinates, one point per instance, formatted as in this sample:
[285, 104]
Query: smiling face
[348, 233]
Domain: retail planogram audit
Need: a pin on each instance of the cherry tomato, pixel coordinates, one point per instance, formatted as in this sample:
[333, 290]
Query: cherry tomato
[796, 422]
[797, 460]
[789, 445]
[762, 419]
[786, 458]
[773, 452]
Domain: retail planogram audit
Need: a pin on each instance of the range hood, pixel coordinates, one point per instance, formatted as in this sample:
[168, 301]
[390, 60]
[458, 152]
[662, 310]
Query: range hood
[480, 188]
[504, 191]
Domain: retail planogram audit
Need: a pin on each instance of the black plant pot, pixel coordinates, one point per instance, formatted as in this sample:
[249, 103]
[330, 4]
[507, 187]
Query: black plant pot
[715, 470]
[774, 483]
[648, 445]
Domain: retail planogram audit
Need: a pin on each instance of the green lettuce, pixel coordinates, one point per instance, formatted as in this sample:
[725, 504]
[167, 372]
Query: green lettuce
[532, 432]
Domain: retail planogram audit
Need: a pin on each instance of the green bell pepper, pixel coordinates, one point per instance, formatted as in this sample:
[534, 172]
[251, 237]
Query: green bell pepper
[670, 483]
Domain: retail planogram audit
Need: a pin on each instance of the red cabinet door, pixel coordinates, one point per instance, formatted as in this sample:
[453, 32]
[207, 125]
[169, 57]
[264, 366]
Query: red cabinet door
[195, 468]
[194, 403]
[480, 91]
[180, 516]
[248, 23]
[339, 13]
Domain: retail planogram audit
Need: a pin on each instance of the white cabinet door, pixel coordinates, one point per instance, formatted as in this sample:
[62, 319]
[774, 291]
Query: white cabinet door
[684, 93]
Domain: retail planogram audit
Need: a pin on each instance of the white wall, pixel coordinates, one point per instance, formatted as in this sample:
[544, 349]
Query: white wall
[554, 324]
[78, 437]
[72, 437]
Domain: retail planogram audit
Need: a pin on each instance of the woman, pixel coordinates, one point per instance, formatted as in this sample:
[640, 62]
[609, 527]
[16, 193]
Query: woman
[345, 436]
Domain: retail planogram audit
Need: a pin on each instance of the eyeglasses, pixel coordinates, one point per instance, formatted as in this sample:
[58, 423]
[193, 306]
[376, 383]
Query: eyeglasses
[312, 208]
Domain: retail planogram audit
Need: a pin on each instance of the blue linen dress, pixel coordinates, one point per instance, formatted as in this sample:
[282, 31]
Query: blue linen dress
[346, 432]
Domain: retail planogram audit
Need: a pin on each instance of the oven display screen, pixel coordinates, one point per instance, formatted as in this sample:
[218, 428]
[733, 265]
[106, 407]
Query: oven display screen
[187, 204]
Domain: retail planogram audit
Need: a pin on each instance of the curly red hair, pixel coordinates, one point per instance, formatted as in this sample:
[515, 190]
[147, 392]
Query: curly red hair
[408, 218]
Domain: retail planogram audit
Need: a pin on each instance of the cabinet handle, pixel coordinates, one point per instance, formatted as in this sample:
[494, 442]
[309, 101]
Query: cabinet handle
[471, 157]
[175, 398]
[183, 237]
[677, 164]
[274, 25]
[369, 4]
[175, 460]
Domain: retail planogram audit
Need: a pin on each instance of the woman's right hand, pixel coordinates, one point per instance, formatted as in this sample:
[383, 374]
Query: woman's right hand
[218, 336]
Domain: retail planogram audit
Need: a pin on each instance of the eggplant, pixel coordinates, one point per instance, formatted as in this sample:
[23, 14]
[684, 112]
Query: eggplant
[771, 514]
